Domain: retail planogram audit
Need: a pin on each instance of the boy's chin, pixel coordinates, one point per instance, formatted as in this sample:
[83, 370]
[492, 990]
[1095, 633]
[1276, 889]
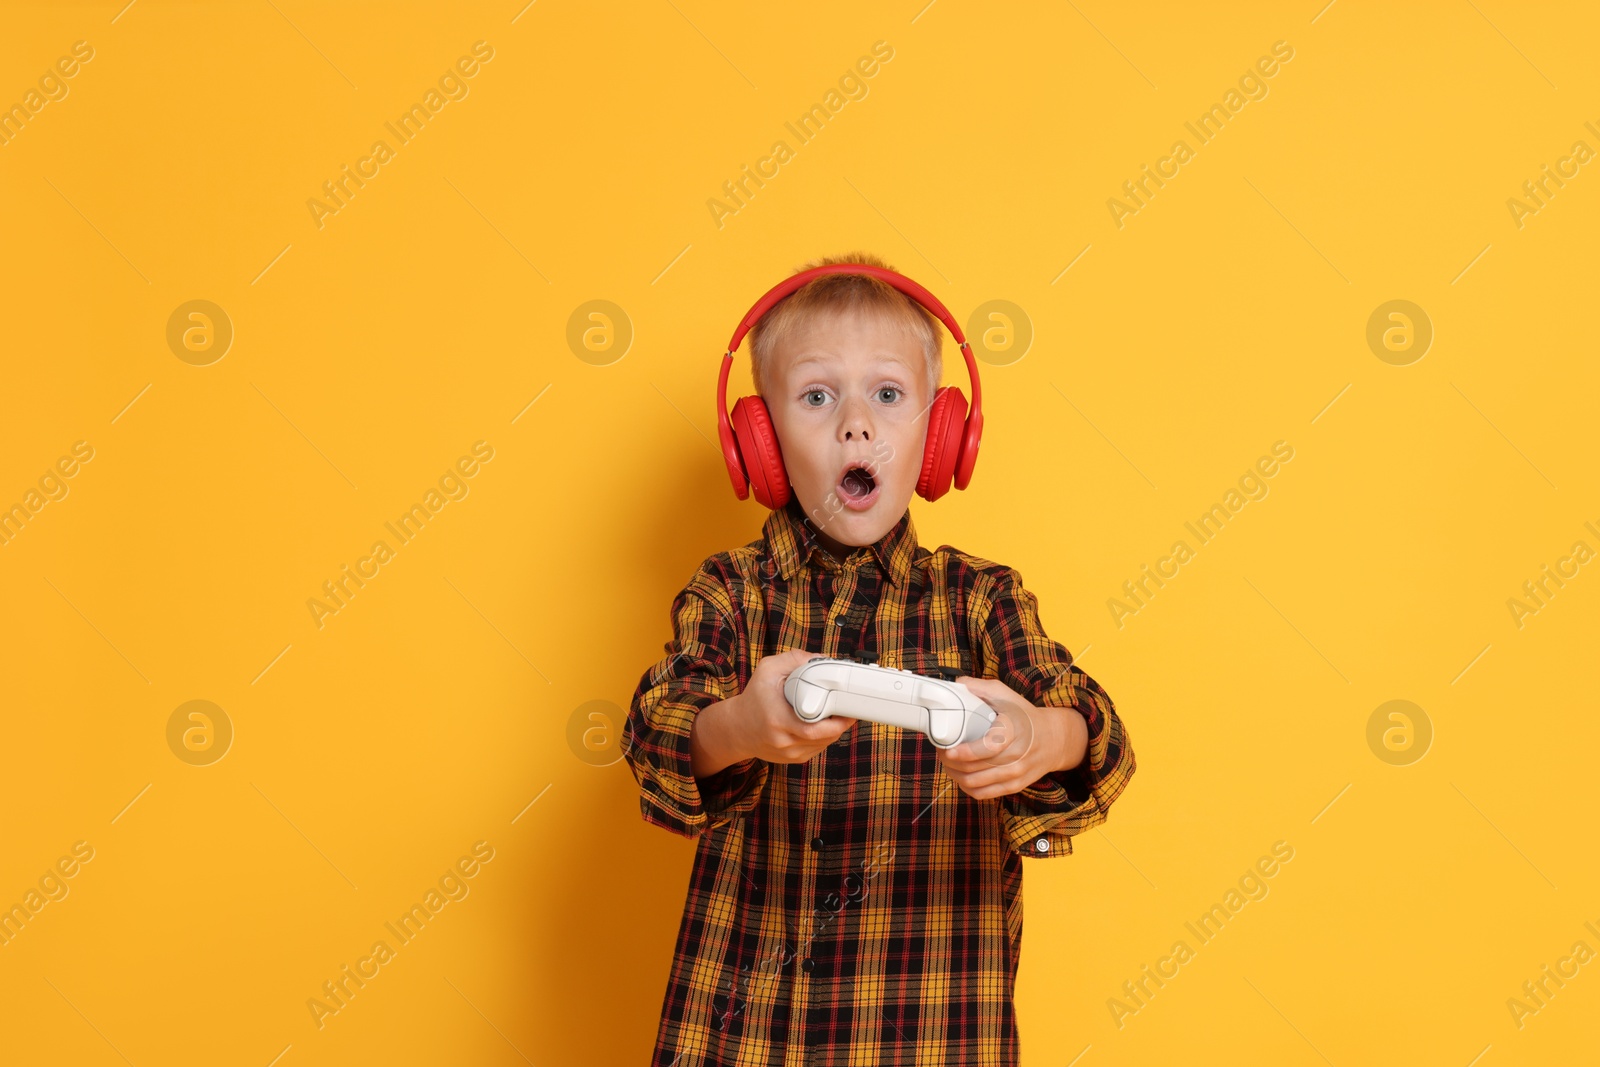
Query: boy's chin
[855, 526]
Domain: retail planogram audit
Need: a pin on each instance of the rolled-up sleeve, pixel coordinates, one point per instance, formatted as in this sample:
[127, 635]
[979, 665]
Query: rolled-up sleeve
[697, 670]
[1042, 819]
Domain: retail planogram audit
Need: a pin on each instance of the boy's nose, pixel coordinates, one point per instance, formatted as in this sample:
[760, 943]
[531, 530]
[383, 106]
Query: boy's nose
[855, 422]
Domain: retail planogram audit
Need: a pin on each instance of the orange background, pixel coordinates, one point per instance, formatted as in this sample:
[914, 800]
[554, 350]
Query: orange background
[448, 701]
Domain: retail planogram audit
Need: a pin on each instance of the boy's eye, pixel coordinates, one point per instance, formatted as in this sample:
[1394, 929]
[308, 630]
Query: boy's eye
[815, 392]
[891, 390]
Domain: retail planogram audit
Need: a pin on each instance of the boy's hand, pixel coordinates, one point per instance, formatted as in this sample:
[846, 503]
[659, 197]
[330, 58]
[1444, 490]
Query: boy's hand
[1024, 744]
[765, 724]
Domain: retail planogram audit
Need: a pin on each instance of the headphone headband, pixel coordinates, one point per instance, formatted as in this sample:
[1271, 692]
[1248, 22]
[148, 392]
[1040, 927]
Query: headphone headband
[899, 281]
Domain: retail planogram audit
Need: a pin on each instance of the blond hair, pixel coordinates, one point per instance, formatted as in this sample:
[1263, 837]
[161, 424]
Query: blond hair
[838, 293]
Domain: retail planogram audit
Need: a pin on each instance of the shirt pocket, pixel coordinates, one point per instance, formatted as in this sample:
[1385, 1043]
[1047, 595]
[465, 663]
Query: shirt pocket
[929, 661]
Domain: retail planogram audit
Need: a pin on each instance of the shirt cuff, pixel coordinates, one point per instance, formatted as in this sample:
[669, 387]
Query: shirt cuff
[733, 791]
[670, 795]
[1041, 819]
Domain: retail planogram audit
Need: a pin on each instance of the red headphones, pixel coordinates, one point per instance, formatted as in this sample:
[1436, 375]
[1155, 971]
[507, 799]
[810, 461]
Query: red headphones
[750, 445]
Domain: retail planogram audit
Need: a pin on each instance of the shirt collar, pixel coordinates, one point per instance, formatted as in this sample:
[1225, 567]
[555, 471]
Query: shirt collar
[791, 540]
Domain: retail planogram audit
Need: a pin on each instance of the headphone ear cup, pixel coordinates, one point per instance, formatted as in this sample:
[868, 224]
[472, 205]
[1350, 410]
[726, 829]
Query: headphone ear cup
[943, 447]
[758, 448]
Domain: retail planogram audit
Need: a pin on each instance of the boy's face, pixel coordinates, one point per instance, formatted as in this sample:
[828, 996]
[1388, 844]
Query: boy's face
[848, 395]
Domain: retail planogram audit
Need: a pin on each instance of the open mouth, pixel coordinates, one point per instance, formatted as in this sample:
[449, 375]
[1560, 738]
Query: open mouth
[857, 487]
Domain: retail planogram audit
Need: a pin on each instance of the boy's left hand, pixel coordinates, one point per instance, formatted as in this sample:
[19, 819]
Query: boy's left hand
[1024, 744]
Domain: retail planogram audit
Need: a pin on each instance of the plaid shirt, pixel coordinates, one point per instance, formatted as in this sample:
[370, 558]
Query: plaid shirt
[860, 907]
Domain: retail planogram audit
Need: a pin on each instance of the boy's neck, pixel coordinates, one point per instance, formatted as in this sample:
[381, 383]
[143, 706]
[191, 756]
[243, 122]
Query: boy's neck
[837, 550]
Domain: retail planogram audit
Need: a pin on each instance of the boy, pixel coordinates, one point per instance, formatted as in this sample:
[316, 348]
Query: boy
[856, 895]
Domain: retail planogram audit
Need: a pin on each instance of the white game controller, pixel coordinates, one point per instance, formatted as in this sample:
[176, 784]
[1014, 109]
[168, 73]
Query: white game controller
[946, 711]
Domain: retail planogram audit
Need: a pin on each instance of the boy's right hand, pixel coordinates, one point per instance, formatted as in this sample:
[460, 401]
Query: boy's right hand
[765, 723]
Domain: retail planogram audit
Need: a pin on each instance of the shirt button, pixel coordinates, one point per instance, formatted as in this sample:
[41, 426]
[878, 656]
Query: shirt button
[816, 846]
[807, 965]
[1042, 845]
